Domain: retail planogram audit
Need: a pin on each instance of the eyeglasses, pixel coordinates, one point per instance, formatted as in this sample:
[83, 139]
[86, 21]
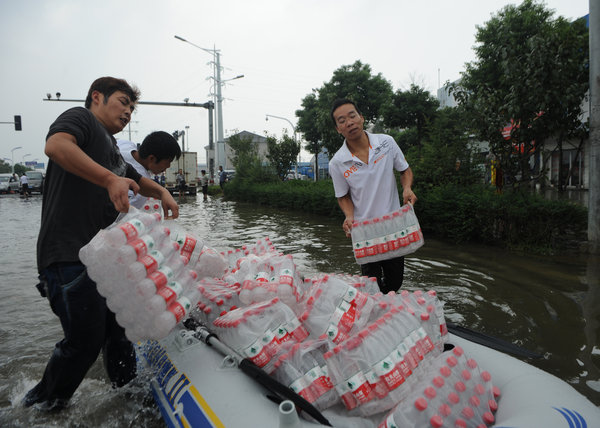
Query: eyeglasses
[341, 120]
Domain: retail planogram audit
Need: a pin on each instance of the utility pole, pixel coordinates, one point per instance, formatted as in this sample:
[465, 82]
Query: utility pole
[594, 169]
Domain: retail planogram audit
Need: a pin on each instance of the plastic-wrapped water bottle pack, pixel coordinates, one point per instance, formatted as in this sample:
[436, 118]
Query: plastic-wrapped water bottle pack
[335, 339]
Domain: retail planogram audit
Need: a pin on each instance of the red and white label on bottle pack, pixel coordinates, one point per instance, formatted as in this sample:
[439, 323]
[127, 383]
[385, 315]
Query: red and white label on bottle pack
[142, 245]
[257, 354]
[360, 249]
[335, 334]
[425, 340]
[171, 291]
[296, 329]
[389, 372]
[161, 277]
[190, 247]
[286, 277]
[132, 229]
[302, 387]
[152, 261]
[180, 308]
[270, 343]
[344, 316]
[346, 395]
[398, 356]
[319, 381]
[389, 422]
[360, 388]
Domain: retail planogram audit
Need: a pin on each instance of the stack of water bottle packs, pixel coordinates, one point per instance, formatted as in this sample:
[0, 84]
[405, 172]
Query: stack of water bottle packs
[334, 339]
[393, 235]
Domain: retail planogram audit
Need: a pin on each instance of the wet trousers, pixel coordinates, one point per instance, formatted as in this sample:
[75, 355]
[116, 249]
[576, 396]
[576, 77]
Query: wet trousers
[389, 273]
[89, 327]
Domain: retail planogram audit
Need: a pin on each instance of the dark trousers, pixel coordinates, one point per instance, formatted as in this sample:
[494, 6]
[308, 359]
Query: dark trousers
[89, 327]
[389, 273]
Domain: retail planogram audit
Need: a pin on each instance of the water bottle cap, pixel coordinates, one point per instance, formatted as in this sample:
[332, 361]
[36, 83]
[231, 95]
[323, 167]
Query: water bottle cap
[432, 293]
[445, 371]
[376, 220]
[488, 418]
[493, 405]
[430, 308]
[327, 355]
[472, 363]
[459, 423]
[458, 351]
[436, 421]
[453, 398]
[475, 401]
[421, 301]
[460, 386]
[452, 362]
[445, 410]
[467, 412]
[418, 293]
[425, 316]
[430, 392]
[466, 374]
[386, 217]
[420, 404]
[438, 381]
[479, 389]
[496, 391]
[222, 313]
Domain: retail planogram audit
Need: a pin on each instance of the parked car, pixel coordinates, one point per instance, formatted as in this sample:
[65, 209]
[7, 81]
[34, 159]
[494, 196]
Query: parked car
[4, 180]
[36, 181]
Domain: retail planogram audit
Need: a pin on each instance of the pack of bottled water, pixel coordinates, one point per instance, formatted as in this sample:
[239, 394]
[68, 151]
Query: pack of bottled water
[146, 270]
[393, 235]
[335, 339]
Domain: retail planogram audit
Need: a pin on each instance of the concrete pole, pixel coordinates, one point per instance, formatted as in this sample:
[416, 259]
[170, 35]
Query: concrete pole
[594, 167]
[220, 140]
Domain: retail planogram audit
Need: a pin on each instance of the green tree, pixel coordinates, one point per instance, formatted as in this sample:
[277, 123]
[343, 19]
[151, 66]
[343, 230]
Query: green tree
[447, 157]
[531, 71]
[415, 108]
[356, 82]
[282, 154]
[5, 167]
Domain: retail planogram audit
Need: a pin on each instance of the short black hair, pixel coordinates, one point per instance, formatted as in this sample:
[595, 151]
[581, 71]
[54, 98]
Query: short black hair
[340, 102]
[161, 144]
[108, 86]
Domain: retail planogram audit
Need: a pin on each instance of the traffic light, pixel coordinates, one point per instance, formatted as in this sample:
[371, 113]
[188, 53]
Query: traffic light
[18, 123]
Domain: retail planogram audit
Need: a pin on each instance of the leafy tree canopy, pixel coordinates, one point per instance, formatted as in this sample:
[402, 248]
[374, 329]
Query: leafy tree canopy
[282, 154]
[356, 82]
[532, 71]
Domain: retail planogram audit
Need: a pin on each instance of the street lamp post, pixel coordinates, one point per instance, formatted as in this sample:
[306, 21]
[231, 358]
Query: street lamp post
[12, 152]
[293, 129]
[220, 149]
[24, 156]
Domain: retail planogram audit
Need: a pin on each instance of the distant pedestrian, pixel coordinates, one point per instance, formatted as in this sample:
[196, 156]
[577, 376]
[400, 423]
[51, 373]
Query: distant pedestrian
[222, 177]
[25, 185]
[204, 183]
[180, 178]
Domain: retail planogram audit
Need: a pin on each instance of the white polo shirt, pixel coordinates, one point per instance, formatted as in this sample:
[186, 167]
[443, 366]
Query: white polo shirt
[372, 186]
[126, 147]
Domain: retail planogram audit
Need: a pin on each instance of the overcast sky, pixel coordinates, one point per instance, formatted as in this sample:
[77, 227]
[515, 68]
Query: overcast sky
[284, 48]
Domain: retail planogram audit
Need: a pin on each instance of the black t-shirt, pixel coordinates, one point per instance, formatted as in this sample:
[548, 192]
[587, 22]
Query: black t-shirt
[73, 209]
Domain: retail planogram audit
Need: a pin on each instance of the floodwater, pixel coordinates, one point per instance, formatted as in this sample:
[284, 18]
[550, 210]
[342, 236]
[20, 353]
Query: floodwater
[550, 305]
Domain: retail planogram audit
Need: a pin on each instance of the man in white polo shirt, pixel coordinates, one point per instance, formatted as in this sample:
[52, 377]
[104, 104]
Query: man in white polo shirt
[154, 156]
[365, 186]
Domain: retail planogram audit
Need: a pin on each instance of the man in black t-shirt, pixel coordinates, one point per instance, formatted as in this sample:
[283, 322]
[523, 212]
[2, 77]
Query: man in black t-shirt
[86, 186]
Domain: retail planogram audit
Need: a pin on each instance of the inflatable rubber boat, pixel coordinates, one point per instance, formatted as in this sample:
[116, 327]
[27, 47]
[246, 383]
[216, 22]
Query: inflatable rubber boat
[196, 386]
